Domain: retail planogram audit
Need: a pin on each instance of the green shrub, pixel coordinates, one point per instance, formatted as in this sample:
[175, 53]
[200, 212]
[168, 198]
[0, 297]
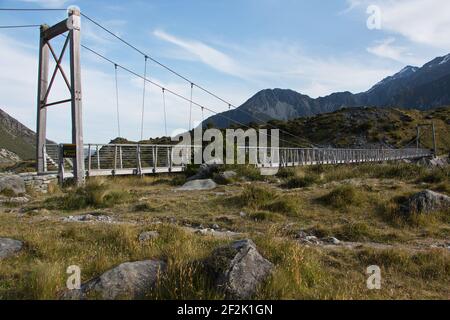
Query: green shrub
[144, 207]
[96, 194]
[341, 197]
[358, 231]
[258, 198]
[285, 173]
[301, 182]
[283, 205]
[250, 172]
[437, 175]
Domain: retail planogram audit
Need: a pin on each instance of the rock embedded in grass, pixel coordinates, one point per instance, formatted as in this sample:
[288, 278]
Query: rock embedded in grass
[205, 171]
[198, 185]
[148, 235]
[12, 185]
[9, 247]
[238, 269]
[131, 280]
[88, 218]
[427, 201]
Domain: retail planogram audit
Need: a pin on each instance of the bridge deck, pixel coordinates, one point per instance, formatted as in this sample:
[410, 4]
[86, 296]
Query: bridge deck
[135, 159]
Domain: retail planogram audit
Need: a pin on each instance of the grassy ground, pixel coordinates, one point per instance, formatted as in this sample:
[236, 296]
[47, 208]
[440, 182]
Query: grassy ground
[352, 203]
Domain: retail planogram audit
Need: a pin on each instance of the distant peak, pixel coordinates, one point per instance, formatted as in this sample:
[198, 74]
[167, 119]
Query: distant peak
[409, 68]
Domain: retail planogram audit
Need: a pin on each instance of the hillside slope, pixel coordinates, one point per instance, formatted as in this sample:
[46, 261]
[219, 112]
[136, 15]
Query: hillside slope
[366, 128]
[16, 137]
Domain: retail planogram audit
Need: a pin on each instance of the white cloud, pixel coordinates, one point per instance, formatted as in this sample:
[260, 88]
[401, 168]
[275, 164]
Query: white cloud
[206, 54]
[286, 65]
[18, 83]
[386, 49]
[424, 22]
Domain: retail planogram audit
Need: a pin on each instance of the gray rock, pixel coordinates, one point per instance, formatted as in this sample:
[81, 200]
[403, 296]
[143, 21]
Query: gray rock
[88, 218]
[128, 280]
[9, 247]
[225, 177]
[215, 233]
[196, 185]
[205, 171]
[12, 183]
[148, 235]
[215, 226]
[242, 214]
[238, 269]
[15, 200]
[331, 240]
[427, 201]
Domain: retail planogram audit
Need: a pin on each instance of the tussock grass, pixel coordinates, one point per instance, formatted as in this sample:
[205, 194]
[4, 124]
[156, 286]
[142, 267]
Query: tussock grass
[260, 198]
[342, 197]
[431, 265]
[301, 182]
[96, 193]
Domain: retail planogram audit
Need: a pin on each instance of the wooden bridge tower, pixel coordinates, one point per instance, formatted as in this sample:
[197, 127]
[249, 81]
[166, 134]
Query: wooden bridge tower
[71, 26]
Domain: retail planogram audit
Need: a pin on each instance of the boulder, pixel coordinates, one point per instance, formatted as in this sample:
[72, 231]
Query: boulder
[238, 269]
[427, 201]
[434, 162]
[128, 280]
[195, 185]
[229, 174]
[12, 184]
[204, 172]
[148, 235]
[9, 247]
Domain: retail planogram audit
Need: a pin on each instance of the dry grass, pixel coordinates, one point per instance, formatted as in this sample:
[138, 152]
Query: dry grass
[364, 211]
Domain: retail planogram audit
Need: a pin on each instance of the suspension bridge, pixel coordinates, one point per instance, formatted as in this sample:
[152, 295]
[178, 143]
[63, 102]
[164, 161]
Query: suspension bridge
[80, 160]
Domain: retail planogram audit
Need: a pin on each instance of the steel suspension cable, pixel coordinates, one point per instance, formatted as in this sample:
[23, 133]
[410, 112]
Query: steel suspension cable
[172, 92]
[20, 26]
[230, 105]
[32, 9]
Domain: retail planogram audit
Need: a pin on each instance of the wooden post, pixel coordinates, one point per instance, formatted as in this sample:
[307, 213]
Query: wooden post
[75, 74]
[41, 125]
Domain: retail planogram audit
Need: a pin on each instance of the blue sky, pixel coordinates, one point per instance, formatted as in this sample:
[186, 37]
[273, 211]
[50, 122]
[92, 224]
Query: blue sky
[234, 48]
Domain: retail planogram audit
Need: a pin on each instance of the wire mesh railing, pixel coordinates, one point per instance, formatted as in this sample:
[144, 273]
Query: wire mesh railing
[129, 159]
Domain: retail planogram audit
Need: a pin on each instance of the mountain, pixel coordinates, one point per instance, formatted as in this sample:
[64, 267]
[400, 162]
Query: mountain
[16, 137]
[412, 87]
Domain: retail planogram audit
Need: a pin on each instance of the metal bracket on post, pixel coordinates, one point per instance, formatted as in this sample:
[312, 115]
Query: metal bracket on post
[72, 26]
